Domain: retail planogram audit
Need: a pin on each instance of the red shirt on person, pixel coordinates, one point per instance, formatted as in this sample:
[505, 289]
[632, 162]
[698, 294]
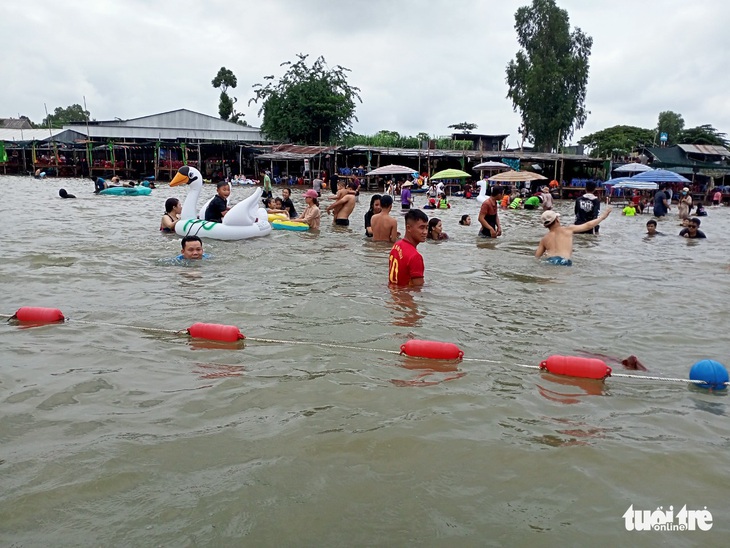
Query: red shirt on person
[405, 263]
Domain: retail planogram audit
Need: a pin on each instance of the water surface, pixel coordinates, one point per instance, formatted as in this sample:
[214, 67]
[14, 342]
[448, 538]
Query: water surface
[117, 436]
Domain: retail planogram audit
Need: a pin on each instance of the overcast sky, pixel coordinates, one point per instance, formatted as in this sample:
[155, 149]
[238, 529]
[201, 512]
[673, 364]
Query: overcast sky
[420, 65]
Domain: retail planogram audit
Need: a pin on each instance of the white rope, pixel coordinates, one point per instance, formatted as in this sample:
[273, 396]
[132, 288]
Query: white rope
[348, 347]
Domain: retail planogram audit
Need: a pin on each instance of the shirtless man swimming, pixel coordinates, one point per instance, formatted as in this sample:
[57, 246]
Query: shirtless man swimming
[384, 227]
[558, 243]
[343, 205]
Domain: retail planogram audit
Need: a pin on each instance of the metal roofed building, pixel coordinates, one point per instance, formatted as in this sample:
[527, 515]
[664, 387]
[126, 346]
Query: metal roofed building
[175, 125]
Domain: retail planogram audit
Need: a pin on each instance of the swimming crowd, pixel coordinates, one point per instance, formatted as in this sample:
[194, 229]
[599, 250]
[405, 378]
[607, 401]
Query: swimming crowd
[406, 265]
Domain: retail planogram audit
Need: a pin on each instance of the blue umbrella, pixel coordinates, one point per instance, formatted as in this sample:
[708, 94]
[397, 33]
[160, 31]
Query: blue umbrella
[660, 176]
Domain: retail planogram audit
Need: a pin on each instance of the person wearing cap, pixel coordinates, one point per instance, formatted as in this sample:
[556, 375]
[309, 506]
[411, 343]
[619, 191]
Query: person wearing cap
[311, 214]
[405, 196]
[685, 204]
[692, 230]
[431, 204]
[547, 198]
[558, 243]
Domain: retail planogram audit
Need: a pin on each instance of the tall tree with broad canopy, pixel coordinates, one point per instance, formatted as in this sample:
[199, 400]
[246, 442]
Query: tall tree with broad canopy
[466, 127]
[223, 80]
[307, 104]
[672, 124]
[703, 135]
[62, 116]
[548, 77]
[617, 140]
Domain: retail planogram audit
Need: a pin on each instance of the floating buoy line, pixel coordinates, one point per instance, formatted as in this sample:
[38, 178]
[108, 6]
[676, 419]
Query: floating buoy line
[705, 373]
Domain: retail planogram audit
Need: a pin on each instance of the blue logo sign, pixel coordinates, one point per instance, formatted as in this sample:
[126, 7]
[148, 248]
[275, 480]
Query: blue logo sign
[663, 137]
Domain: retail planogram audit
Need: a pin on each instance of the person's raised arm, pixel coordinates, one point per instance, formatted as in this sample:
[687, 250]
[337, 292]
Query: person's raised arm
[590, 224]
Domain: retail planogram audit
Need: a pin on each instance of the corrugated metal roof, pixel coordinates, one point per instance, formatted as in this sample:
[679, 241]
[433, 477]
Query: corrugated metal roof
[15, 123]
[152, 134]
[179, 119]
[25, 135]
[712, 150]
[295, 152]
[474, 154]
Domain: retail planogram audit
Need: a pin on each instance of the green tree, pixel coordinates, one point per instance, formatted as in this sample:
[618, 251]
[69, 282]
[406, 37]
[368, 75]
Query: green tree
[548, 77]
[672, 124]
[63, 116]
[617, 140]
[703, 135]
[466, 127]
[223, 80]
[307, 104]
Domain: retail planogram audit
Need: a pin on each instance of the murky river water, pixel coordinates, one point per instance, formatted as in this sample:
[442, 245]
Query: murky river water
[115, 436]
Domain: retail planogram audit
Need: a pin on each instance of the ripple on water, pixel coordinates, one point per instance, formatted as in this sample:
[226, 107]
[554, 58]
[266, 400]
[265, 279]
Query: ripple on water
[113, 435]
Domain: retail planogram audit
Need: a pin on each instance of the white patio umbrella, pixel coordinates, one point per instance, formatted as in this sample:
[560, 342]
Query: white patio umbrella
[632, 168]
[392, 169]
[516, 176]
[490, 166]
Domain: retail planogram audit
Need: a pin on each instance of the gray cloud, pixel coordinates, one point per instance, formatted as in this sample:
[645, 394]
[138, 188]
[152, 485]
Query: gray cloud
[420, 65]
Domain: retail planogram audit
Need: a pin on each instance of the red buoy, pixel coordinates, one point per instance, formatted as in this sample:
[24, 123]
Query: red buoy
[38, 315]
[215, 332]
[573, 366]
[432, 349]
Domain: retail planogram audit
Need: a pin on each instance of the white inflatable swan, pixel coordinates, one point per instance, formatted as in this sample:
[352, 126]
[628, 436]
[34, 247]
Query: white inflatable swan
[482, 191]
[245, 220]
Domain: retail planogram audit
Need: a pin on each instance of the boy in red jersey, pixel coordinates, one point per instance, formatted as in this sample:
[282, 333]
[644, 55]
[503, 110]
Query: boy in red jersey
[406, 266]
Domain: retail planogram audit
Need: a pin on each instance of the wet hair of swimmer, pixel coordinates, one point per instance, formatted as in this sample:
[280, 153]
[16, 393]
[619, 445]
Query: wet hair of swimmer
[187, 239]
[432, 224]
[386, 201]
[651, 222]
[372, 200]
[221, 184]
[170, 204]
[415, 215]
[497, 190]
[63, 194]
[463, 219]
